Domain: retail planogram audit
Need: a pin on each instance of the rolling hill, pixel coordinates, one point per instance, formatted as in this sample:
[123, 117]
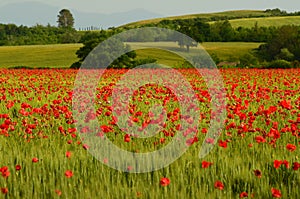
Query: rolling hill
[244, 18]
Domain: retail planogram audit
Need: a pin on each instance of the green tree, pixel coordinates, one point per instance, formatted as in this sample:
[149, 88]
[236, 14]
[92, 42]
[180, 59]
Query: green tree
[103, 55]
[285, 44]
[65, 19]
[186, 29]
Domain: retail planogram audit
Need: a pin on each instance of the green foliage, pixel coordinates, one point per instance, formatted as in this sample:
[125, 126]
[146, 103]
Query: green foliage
[285, 44]
[285, 54]
[248, 61]
[215, 57]
[222, 31]
[280, 64]
[65, 19]
[276, 12]
[12, 35]
[102, 57]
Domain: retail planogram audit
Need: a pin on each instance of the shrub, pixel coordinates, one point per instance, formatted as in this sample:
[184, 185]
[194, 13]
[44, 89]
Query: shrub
[279, 64]
[248, 60]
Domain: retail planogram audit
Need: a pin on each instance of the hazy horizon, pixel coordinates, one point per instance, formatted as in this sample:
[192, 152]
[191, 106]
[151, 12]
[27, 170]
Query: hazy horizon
[114, 13]
[166, 7]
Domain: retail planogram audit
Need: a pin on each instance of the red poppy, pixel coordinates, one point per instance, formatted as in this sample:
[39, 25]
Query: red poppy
[105, 160]
[206, 164]
[68, 154]
[138, 194]
[276, 193]
[286, 104]
[260, 139]
[209, 140]
[191, 141]
[4, 190]
[85, 146]
[219, 185]
[204, 131]
[223, 144]
[286, 163]
[5, 173]
[68, 173]
[35, 160]
[18, 167]
[257, 173]
[164, 181]
[127, 138]
[296, 166]
[244, 195]
[277, 163]
[58, 192]
[290, 147]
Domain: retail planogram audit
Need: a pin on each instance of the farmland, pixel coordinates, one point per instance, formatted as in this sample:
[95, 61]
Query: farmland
[265, 21]
[235, 13]
[256, 154]
[53, 56]
[244, 18]
[63, 55]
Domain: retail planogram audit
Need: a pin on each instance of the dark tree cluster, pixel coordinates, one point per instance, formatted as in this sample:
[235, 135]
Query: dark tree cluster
[11, 34]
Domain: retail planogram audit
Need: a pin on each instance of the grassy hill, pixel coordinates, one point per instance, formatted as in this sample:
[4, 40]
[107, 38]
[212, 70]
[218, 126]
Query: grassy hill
[245, 18]
[230, 14]
[265, 21]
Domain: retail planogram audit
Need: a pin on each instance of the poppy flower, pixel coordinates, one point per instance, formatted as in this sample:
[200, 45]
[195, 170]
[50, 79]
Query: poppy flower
[5, 172]
[257, 173]
[286, 164]
[206, 164]
[223, 144]
[127, 138]
[291, 147]
[277, 163]
[276, 193]
[105, 160]
[286, 104]
[68, 173]
[164, 181]
[296, 166]
[191, 141]
[209, 140]
[244, 195]
[34, 160]
[18, 167]
[138, 194]
[219, 185]
[4, 190]
[68, 154]
[58, 192]
[260, 139]
[204, 131]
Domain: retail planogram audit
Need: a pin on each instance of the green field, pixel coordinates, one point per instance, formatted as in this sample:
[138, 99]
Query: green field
[247, 19]
[235, 13]
[265, 21]
[226, 51]
[61, 55]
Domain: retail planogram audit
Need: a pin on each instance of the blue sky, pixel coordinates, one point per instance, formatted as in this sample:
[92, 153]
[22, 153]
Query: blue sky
[168, 7]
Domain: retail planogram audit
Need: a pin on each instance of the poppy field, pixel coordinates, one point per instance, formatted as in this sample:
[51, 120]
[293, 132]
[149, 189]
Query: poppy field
[256, 155]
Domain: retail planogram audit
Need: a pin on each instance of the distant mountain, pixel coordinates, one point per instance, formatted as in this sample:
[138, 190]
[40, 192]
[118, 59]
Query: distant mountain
[32, 13]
